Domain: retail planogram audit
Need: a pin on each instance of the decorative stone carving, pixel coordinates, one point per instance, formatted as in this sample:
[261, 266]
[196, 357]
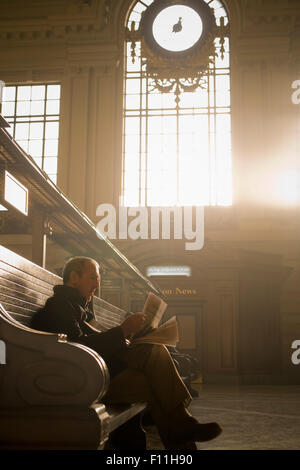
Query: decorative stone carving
[83, 17]
[272, 14]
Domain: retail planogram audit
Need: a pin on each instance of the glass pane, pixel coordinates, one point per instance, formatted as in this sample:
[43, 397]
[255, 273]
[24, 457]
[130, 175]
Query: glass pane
[37, 107]
[201, 98]
[169, 144]
[223, 141]
[135, 16]
[131, 181]
[155, 145]
[169, 124]
[168, 100]
[24, 93]
[22, 131]
[223, 98]
[53, 92]
[201, 128]
[23, 108]
[222, 63]
[133, 86]
[50, 165]
[132, 162]
[222, 82]
[51, 148]
[132, 101]
[8, 108]
[187, 100]
[186, 146]
[155, 100]
[132, 144]
[223, 122]
[139, 7]
[212, 123]
[52, 107]
[132, 125]
[38, 92]
[52, 130]
[215, 4]
[9, 93]
[35, 148]
[36, 130]
[186, 124]
[154, 125]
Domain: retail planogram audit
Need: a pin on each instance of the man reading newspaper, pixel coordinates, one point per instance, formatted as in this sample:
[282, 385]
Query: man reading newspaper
[139, 372]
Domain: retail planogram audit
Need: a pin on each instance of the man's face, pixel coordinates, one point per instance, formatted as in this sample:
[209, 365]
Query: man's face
[89, 280]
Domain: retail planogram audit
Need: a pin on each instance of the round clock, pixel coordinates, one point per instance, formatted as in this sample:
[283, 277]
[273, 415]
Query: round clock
[172, 28]
[177, 28]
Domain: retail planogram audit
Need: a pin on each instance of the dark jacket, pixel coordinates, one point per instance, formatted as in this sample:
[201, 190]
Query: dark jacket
[66, 312]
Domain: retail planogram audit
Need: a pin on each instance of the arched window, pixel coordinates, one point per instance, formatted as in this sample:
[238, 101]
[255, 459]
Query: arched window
[177, 153]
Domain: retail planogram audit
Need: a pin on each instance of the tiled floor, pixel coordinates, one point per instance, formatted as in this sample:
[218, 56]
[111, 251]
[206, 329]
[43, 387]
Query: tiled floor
[252, 417]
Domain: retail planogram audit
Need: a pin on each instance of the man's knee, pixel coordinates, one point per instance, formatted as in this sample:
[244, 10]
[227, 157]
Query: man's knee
[142, 354]
[160, 349]
[160, 355]
[154, 350]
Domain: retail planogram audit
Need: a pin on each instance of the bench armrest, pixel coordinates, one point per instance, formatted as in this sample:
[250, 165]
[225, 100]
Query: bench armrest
[45, 369]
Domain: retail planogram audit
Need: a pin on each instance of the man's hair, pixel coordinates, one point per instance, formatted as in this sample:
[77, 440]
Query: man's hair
[77, 264]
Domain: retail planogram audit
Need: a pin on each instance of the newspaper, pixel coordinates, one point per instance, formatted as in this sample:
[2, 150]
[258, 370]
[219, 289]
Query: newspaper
[167, 333]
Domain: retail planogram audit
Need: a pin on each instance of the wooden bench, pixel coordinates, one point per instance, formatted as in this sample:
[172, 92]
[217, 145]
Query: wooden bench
[51, 389]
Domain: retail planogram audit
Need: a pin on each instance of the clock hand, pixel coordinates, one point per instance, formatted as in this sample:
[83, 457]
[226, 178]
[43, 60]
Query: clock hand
[178, 26]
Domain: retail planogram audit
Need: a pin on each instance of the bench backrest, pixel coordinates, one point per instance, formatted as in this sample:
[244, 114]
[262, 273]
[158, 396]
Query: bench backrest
[25, 287]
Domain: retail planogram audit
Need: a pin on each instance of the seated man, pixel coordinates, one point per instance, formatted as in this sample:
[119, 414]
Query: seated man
[139, 373]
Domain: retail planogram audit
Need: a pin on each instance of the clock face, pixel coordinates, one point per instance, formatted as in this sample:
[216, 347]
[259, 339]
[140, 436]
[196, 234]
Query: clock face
[177, 28]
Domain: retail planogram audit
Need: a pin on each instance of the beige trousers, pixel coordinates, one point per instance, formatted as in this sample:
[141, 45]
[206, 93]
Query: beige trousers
[151, 377]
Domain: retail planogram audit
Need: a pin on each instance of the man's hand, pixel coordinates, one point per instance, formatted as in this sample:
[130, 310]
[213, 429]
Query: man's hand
[133, 324]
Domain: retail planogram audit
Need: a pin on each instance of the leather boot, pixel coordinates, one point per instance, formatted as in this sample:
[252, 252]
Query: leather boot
[183, 428]
[171, 445]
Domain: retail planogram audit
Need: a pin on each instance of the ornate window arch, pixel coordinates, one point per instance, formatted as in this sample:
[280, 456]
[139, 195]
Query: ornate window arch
[177, 130]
